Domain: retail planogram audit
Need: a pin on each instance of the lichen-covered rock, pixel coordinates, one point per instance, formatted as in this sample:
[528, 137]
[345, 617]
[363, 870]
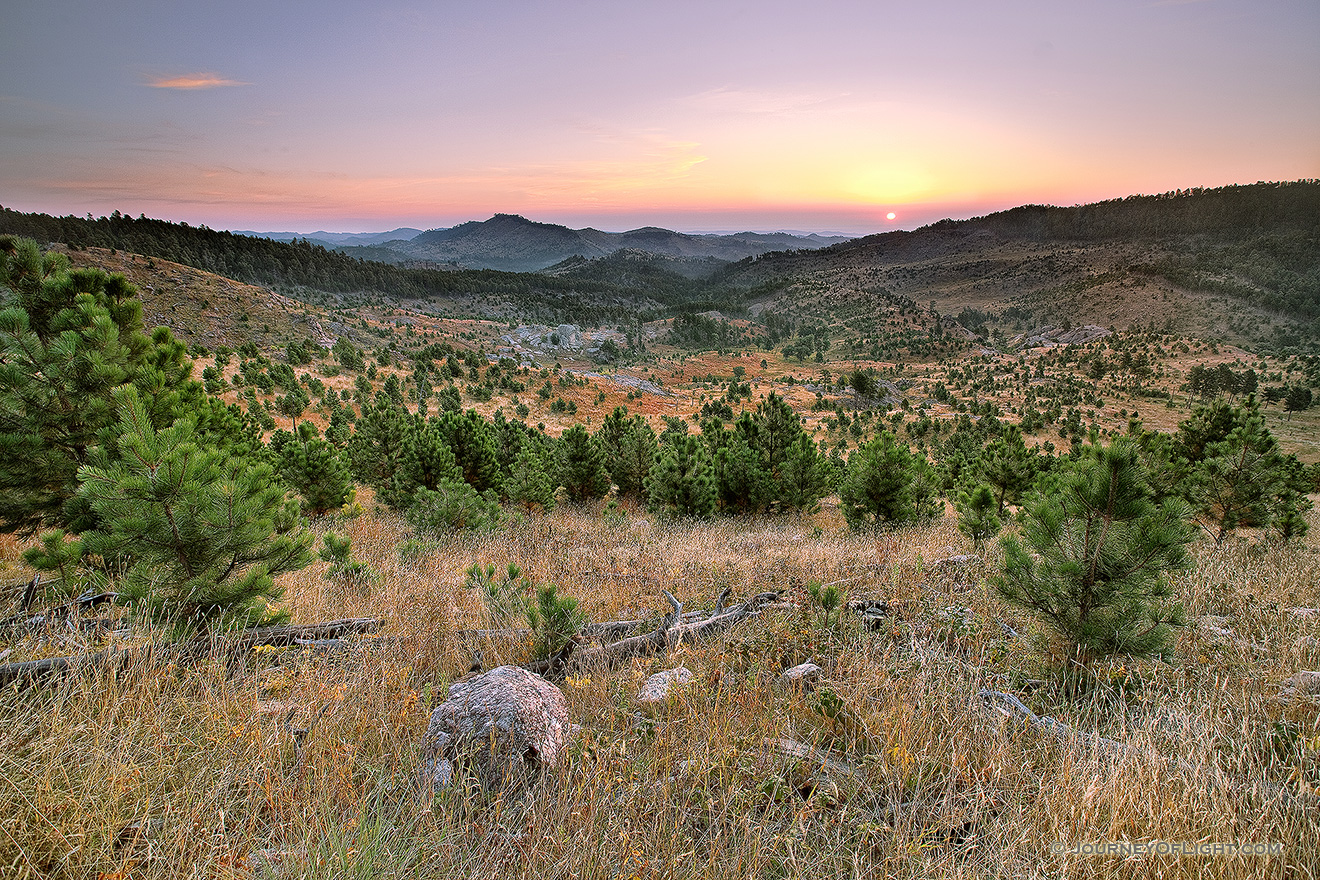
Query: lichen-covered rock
[655, 692]
[505, 726]
[1306, 682]
[803, 677]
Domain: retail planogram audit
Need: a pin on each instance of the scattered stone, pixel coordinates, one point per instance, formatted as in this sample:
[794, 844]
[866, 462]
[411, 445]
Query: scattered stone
[506, 725]
[960, 561]
[803, 677]
[1303, 683]
[655, 692]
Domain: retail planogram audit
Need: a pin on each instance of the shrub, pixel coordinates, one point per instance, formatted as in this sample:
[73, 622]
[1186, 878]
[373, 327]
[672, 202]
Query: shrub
[1095, 553]
[554, 619]
[452, 504]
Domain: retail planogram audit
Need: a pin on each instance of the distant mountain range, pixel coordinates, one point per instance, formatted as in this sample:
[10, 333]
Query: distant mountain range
[513, 243]
[337, 239]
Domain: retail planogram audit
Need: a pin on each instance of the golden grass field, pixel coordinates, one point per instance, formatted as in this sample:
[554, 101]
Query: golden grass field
[196, 770]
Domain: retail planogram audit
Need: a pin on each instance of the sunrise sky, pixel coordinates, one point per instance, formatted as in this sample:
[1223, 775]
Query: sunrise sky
[711, 115]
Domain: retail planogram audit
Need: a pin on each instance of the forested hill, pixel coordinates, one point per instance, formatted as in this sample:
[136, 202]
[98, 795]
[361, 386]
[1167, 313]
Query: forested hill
[287, 265]
[1228, 210]
[1237, 262]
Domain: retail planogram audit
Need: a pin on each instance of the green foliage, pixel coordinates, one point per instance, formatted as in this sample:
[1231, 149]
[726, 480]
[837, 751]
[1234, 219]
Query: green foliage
[506, 598]
[582, 467]
[554, 619]
[338, 551]
[976, 516]
[348, 354]
[1093, 556]
[628, 446]
[317, 470]
[195, 536]
[425, 462]
[470, 438]
[529, 484]
[741, 484]
[682, 480]
[1229, 468]
[62, 555]
[829, 597]
[68, 339]
[886, 484]
[1009, 467]
[804, 477]
[452, 504]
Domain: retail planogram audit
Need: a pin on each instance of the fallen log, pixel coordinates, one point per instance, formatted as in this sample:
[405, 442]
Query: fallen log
[27, 620]
[1010, 706]
[673, 630]
[227, 645]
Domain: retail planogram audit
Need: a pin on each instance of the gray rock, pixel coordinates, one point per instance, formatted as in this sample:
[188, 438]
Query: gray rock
[505, 725]
[655, 692]
[1305, 682]
[804, 676]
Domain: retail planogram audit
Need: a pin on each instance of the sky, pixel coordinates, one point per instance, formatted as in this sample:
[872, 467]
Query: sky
[725, 115]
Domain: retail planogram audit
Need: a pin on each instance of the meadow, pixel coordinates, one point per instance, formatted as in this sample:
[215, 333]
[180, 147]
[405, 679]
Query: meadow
[302, 762]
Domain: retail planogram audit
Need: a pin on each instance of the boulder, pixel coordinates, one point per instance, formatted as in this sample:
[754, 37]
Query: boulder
[1305, 682]
[655, 692]
[803, 677]
[505, 726]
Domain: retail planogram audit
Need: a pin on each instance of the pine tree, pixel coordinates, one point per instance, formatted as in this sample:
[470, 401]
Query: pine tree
[68, 339]
[376, 447]
[425, 462]
[741, 484]
[976, 516]
[529, 483]
[628, 446]
[1243, 480]
[777, 428]
[199, 535]
[803, 478]
[886, 484]
[1093, 556]
[582, 467]
[1009, 467]
[316, 470]
[682, 480]
[473, 444]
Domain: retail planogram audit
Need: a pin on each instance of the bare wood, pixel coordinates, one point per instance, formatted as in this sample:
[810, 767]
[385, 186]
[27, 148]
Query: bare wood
[32, 671]
[34, 621]
[670, 632]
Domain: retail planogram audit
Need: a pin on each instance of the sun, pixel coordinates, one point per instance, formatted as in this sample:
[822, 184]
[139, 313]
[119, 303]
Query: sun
[891, 216]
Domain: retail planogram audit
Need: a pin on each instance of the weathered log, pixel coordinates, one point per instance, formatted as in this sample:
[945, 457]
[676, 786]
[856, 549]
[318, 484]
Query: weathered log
[672, 631]
[233, 645]
[36, 621]
[1010, 706]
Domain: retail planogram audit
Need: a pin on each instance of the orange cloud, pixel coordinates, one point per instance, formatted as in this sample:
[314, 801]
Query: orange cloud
[193, 81]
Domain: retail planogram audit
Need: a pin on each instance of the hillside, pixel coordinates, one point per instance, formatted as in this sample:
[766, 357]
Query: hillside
[1239, 263]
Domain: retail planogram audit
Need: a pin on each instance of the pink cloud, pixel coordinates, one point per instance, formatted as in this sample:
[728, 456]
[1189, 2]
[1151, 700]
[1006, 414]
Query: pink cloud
[193, 81]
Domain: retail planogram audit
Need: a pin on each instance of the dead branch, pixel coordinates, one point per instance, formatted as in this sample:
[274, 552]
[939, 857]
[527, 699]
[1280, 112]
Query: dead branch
[1010, 706]
[230, 646]
[673, 630]
[36, 621]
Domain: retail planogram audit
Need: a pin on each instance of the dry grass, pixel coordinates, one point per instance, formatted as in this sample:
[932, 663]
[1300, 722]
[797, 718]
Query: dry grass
[197, 771]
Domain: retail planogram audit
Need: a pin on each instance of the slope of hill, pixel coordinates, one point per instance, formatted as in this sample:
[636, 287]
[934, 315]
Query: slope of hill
[202, 308]
[1238, 263]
